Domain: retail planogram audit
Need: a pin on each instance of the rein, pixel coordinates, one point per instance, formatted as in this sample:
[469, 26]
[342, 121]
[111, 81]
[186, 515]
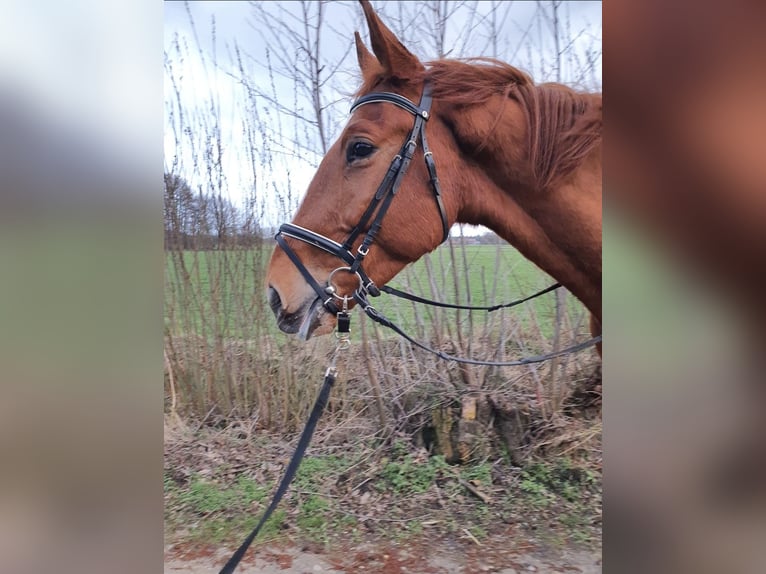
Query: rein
[381, 319]
[417, 299]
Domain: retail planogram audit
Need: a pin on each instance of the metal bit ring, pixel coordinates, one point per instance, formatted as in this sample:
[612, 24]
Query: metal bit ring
[331, 290]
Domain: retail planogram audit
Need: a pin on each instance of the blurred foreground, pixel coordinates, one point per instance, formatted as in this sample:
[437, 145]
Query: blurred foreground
[81, 416]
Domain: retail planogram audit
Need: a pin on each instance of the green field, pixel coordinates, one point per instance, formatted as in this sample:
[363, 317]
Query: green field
[220, 293]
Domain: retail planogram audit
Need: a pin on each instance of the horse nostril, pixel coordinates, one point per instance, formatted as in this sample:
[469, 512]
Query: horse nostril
[275, 302]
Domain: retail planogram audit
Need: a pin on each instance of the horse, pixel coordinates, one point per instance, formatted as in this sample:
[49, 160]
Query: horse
[519, 158]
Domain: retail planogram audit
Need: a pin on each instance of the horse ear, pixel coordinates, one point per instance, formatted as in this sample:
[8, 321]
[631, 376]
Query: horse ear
[397, 61]
[367, 62]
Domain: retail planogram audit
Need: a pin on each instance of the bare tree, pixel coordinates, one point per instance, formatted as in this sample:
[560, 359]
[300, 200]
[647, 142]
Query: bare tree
[437, 28]
[296, 36]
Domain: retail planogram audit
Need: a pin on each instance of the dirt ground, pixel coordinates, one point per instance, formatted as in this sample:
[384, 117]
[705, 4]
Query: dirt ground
[438, 557]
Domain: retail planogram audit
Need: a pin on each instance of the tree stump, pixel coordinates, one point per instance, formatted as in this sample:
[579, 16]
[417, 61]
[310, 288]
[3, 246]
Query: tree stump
[460, 430]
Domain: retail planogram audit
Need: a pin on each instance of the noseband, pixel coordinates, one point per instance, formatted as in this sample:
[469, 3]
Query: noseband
[375, 211]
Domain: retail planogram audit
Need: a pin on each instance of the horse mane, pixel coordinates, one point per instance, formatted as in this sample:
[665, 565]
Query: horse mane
[564, 125]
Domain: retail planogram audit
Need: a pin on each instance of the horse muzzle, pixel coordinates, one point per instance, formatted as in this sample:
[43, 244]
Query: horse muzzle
[306, 321]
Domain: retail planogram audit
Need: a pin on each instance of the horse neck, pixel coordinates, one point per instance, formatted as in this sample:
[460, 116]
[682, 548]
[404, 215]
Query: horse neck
[557, 228]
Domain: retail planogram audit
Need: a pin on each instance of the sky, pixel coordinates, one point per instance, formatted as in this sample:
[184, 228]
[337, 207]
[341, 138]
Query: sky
[267, 149]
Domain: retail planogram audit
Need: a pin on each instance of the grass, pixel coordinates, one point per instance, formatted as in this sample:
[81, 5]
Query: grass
[226, 353]
[566, 496]
[220, 293]
[479, 275]
[312, 519]
[411, 475]
[405, 487]
[314, 471]
[216, 293]
[562, 478]
[214, 512]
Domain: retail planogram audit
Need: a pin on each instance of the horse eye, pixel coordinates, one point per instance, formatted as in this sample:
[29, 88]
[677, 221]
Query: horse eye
[358, 150]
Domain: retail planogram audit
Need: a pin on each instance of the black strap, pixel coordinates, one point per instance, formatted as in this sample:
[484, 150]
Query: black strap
[391, 98]
[383, 188]
[292, 468]
[319, 241]
[327, 245]
[327, 300]
[411, 297]
[435, 185]
[378, 317]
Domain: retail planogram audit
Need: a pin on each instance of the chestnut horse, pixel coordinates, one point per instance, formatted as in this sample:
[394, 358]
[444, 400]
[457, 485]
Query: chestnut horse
[521, 159]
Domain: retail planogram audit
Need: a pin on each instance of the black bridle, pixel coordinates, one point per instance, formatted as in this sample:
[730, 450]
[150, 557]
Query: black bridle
[375, 211]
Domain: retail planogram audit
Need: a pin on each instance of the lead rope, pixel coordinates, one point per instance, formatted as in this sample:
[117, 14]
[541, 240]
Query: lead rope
[342, 335]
